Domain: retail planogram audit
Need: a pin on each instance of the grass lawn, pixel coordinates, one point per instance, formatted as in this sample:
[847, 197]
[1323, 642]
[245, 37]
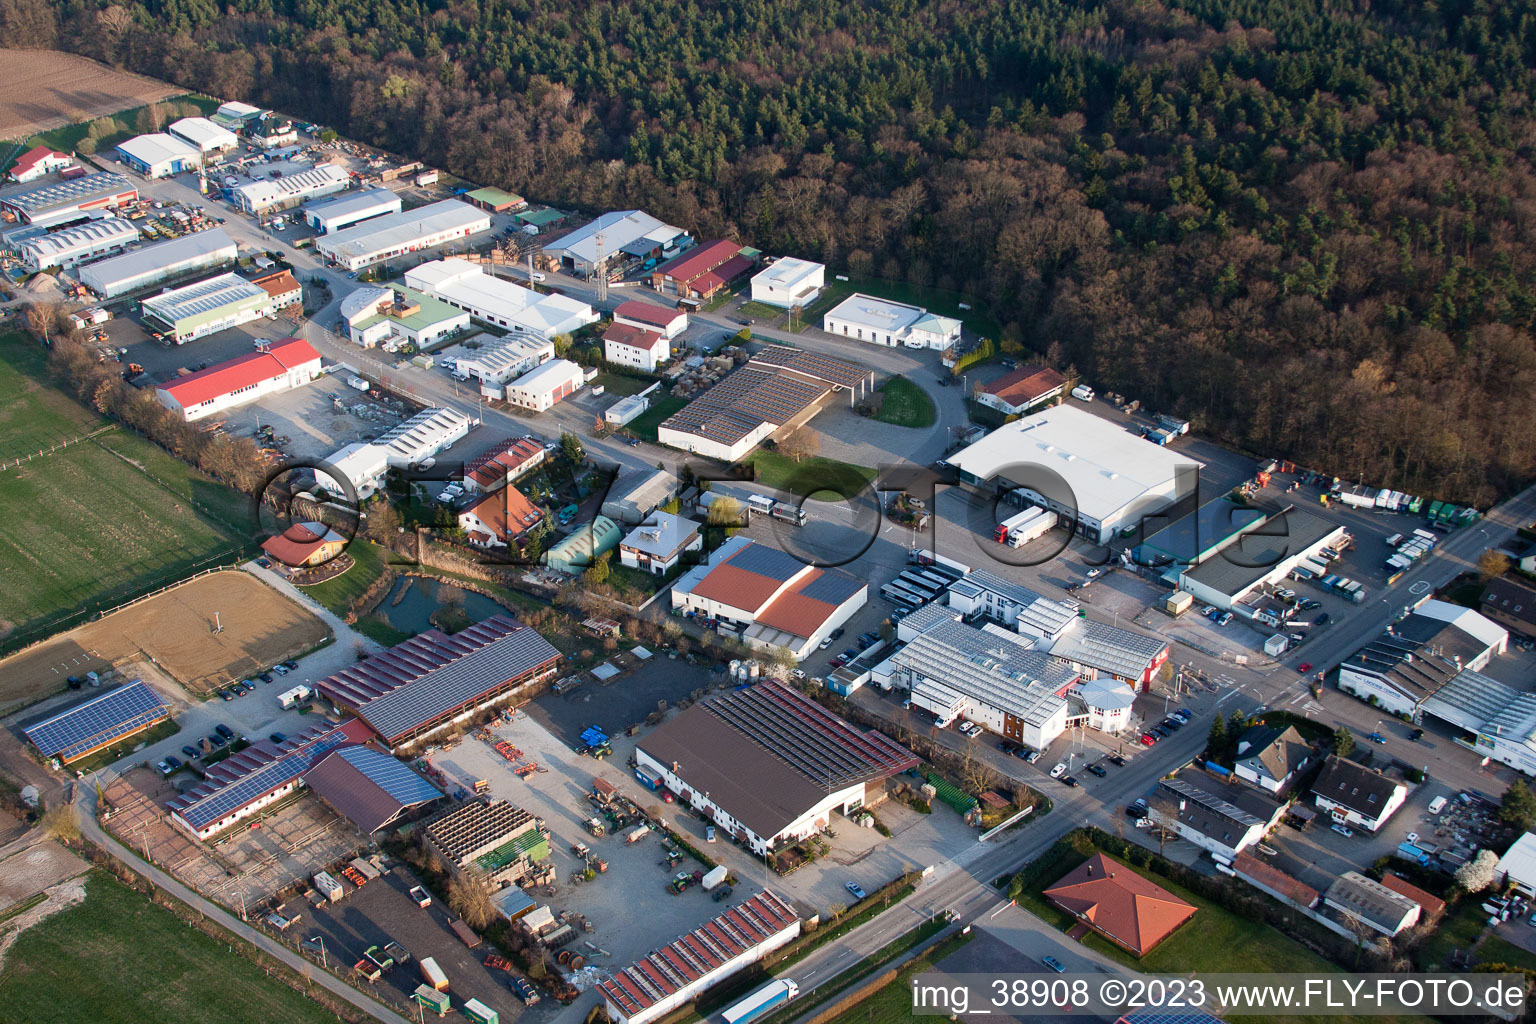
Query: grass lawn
[725, 295]
[905, 404]
[33, 413]
[1495, 950]
[644, 425]
[761, 311]
[119, 959]
[781, 473]
[337, 594]
[620, 385]
[1458, 930]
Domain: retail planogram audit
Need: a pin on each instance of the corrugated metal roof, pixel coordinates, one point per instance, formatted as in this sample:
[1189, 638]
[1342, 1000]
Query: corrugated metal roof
[202, 297]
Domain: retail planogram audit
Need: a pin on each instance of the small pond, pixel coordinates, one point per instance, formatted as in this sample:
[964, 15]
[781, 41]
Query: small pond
[412, 613]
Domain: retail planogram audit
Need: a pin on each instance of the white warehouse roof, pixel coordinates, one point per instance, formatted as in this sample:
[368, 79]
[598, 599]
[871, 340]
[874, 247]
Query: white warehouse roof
[422, 434]
[60, 245]
[876, 313]
[201, 297]
[203, 133]
[548, 376]
[1482, 629]
[158, 148]
[619, 229]
[786, 272]
[366, 203]
[398, 230]
[260, 194]
[499, 301]
[1106, 466]
[110, 276]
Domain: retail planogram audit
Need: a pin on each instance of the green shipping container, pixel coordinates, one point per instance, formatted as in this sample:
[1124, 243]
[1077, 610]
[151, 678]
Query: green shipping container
[477, 1011]
[433, 1000]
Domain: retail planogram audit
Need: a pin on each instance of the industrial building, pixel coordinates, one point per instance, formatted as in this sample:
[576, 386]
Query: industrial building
[500, 519]
[768, 765]
[494, 361]
[702, 271]
[204, 134]
[677, 973]
[409, 443]
[659, 543]
[395, 234]
[1120, 904]
[540, 388]
[1235, 577]
[1417, 656]
[780, 388]
[788, 282]
[180, 315]
[635, 494]
[1357, 796]
[37, 162]
[1372, 904]
[884, 322]
[1022, 391]
[418, 690]
[331, 215]
[647, 316]
[369, 787]
[1499, 721]
[986, 676]
[1217, 816]
[1097, 650]
[494, 841]
[269, 195]
[985, 593]
[235, 114]
[98, 723]
[251, 780]
[282, 366]
[64, 202]
[635, 347]
[496, 200]
[160, 155]
[1518, 865]
[389, 317]
[1097, 474]
[771, 597]
[503, 464]
[78, 243]
[160, 262]
[613, 238]
[499, 302]
[584, 546]
[1186, 535]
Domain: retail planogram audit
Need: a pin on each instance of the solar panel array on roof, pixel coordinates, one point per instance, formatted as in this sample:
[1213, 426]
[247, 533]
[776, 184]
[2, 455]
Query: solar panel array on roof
[832, 586]
[743, 402]
[368, 680]
[390, 775]
[766, 561]
[251, 774]
[457, 683]
[98, 722]
[812, 364]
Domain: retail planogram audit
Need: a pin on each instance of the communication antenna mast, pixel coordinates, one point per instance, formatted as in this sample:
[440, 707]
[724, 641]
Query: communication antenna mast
[602, 269]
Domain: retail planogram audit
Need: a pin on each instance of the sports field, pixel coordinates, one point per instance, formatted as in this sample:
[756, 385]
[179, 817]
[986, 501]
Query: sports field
[101, 520]
[257, 627]
[117, 957]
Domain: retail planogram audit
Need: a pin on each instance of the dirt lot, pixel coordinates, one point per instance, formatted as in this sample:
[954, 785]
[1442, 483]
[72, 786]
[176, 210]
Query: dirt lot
[175, 631]
[50, 89]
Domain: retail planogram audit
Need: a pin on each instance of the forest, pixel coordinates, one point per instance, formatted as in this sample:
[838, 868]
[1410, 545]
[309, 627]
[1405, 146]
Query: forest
[1306, 226]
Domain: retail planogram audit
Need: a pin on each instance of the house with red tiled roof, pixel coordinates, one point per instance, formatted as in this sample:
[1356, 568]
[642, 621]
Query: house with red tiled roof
[305, 544]
[1128, 909]
[282, 366]
[648, 316]
[283, 287]
[635, 346]
[771, 597]
[38, 161]
[702, 271]
[500, 518]
[1026, 388]
[502, 464]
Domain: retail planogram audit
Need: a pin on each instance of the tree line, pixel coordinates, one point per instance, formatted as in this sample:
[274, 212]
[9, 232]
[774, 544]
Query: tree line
[1304, 226]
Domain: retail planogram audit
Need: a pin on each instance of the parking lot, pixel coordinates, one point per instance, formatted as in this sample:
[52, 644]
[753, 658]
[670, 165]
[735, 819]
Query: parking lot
[315, 424]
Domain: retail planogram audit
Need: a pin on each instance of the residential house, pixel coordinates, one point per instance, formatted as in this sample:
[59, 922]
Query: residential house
[1511, 602]
[1126, 908]
[1222, 818]
[659, 543]
[502, 517]
[1357, 796]
[1271, 757]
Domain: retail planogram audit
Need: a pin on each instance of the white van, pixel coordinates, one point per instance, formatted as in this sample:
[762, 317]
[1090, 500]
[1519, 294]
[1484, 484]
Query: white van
[1083, 393]
[1437, 805]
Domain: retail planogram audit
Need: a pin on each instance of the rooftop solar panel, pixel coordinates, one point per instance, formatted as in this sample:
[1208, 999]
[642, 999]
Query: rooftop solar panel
[766, 561]
[390, 775]
[832, 586]
[225, 800]
[98, 722]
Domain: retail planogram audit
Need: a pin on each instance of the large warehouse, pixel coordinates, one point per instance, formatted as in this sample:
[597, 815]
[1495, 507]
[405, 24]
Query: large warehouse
[499, 302]
[1095, 470]
[498, 360]
[407, 444]
[1420, 654]
[395, 234]
[788, 282]
[98, 723]
[779, 388]
[283, 366]
[390, 316]
[63, 202]
[615, 237]
[884, 322]
[153, 264]
[774, 598]
[420, 689]
[703, 270]
[368, 787]
[271, 194]
[204, 134]
[160, 155]
[180, 315]
[769, 765]
[329, 216]
[76, 244]
[1259, 557]
[670, 977]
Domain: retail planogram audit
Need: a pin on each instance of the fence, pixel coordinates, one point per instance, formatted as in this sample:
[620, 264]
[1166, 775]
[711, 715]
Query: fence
[13, 463]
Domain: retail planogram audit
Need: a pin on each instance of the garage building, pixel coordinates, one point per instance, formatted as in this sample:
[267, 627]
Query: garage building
[206, 307]
[1098, 473]
[788, 282]
[160, 262]
[499, 302]
[395, 234]
[540, 388]
[78, 243]
[769, 765]
[160, 155]
[331, 215]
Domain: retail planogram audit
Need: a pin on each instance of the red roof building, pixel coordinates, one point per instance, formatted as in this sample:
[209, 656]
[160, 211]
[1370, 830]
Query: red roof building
[635, 346]
[650, 317]
[1124, 907]
[283, 287]
[286, 364]
[702, 271]
[500, 518]
[305, 544]
[38, 161]
[503, 463]
[1431, 905]
[1022, 390]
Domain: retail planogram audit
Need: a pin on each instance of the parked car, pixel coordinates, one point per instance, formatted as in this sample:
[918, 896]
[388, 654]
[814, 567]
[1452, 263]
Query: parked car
[263, 563]
[1304, 667]
[854, 888]
[1117, 760]
[1058, 769]
[1009, 747]
[838, 633]
[1184, 715]
[1321, 620]
[1341, 830]
[225, 731]
[1375, 737]
[281, 670]
[1159, 732]
[825, 643]
[1137, 810]
[190, 751]
[838, 661]
[1053, 964]
[1171, 724]
[1412, 837]
[265, 677]
[1097, 770]
[709, 833]
[290, 665]
[1069, 781]
[170, 764]
[227, 694]
[1147, 739]
[1226, 617]
[1034, 755]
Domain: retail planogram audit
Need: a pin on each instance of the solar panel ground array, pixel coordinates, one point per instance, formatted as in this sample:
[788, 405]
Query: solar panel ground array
[98, 722]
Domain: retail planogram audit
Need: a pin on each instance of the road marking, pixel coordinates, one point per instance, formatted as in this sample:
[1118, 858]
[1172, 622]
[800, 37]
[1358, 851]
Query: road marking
[1296, 698]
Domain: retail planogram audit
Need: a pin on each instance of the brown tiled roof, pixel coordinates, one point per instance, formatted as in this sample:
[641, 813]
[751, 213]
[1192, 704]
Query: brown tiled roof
[1118, 903]
[507, 512]
[808, 602]
[648, 313]
[297, 544]
[1433, 906]
[737, 587]
[495, 464]
[634, 337]
[1025, 385]
[278, 284]
[1248, 865]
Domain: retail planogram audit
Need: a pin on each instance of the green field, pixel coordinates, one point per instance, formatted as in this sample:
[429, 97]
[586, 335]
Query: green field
[620, 385]
[905, 404]
[782, 473]
[644, 425]
[119, 959]
[67, 138]
[338, 594]
[98, 522]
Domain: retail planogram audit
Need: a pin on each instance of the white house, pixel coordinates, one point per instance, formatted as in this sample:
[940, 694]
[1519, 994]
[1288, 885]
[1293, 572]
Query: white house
[632, 346]
[539, 389]
[1357, 796]
[789, 282]
[1215, 816]
[883, 322]
[1270, 757]
[647, 316]
[38, 161]
[659, 543]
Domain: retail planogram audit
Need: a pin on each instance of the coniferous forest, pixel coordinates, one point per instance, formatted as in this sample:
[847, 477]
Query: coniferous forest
[1307, 226]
